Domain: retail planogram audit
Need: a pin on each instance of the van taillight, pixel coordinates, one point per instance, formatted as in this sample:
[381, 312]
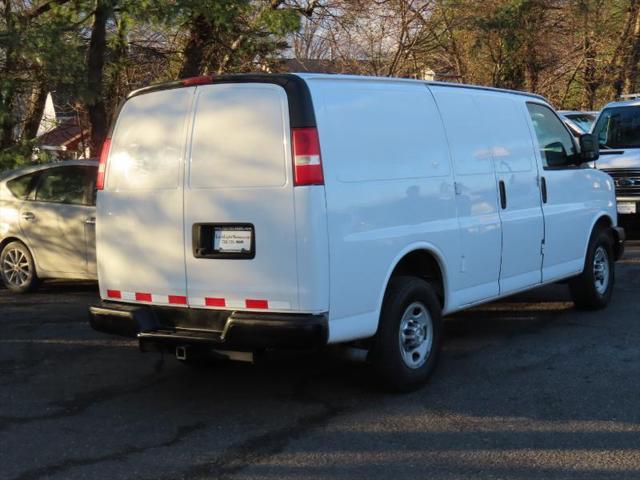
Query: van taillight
[193, 81]
[102, 165]
[307, 163]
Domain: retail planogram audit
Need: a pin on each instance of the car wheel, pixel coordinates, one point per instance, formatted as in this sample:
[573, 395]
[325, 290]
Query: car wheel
[592, 289]
[408, 340]
[17, 268]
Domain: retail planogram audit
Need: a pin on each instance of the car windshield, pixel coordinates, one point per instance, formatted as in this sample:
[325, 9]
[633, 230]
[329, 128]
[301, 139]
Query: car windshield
[583, 120]
[619, 127]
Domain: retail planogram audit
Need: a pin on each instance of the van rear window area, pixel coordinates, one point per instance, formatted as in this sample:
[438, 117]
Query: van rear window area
[148, 141]
[238, 137]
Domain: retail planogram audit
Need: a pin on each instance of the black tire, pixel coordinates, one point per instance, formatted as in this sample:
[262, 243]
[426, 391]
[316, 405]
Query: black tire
[387, 356]
[587, 289]
[18, 253]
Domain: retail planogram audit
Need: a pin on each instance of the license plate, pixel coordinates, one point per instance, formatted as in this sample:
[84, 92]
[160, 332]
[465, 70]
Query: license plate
[232, 239]
[626, 207]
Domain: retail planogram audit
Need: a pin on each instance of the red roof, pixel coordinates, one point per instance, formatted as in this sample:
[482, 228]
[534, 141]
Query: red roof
[68, 134]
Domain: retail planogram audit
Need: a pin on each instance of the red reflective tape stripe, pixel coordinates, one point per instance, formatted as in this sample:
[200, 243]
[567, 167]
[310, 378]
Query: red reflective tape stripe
[143, 297]
[215, 302]
[178, 299]
[251, 303]
[114, 294]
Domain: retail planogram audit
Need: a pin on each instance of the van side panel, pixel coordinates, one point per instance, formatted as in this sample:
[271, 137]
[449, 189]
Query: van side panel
[312, 248]
[388, 185]
[139, 214]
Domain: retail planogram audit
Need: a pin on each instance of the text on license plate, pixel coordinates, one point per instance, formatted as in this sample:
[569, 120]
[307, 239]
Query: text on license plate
[232, 240]
[626, 207]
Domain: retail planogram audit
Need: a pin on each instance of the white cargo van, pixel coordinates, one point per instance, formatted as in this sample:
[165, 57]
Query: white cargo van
[250, 212]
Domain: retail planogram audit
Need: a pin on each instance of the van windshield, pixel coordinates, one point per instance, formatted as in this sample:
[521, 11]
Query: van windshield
[619, 127]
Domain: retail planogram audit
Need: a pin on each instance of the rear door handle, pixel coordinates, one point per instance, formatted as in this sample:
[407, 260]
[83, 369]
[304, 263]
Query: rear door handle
[503, 194]
[28, 216]
[543, 189]
[90, 221]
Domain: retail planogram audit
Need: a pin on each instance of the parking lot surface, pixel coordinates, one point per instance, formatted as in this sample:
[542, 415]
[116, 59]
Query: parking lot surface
[526, 388]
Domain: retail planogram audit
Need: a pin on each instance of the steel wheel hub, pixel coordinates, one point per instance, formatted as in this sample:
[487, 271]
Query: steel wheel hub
[15, 268]
[601, 270]
[416, 335]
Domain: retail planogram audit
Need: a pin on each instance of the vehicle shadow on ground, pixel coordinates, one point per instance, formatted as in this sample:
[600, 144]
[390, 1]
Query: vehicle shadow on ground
[68, 286]
[515, 381]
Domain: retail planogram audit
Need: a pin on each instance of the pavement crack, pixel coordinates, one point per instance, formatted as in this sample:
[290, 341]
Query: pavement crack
[78, 404]
[260, 447]
[182, 432]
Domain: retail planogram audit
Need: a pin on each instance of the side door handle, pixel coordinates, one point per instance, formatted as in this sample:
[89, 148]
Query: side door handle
[28, 216]
[503, 194]
[543, 189]
[90, 221]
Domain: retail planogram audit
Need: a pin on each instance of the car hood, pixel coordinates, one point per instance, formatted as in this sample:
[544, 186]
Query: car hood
[630, 158]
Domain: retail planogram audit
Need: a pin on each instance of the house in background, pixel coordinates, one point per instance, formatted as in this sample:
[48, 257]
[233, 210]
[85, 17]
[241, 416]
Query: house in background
[61, 135]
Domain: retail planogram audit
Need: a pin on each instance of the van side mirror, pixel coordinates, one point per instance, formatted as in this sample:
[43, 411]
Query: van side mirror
[589, 148]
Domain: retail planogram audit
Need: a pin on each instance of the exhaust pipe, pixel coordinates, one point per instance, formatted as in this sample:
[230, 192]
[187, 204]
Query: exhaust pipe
[181, 353]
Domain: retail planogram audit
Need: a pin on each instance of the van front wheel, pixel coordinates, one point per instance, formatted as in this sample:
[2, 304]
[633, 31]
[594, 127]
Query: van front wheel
[592, 289]
[406, 346]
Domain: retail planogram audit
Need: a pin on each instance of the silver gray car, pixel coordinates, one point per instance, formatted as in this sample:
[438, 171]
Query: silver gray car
[578, 122]
[47, 223]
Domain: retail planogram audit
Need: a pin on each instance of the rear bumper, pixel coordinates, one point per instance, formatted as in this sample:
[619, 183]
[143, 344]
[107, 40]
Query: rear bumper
[219, 329]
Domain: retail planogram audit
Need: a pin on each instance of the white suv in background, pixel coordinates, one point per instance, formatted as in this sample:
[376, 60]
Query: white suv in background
[617, 130]
[246, 212]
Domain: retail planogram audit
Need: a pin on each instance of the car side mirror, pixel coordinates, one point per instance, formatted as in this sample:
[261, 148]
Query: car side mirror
[589, 148]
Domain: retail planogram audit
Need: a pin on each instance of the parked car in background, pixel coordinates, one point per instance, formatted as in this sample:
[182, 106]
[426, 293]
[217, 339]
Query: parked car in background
[617, 130]
[578, 122]
[47, 223]
[249, 212]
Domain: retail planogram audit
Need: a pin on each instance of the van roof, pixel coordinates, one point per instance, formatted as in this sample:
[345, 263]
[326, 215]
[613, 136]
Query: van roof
[301, 112]
[331, 76]
[281, 78]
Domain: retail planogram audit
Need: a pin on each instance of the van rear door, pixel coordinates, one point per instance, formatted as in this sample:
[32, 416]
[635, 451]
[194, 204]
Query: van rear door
[239, 222]
[139, 227]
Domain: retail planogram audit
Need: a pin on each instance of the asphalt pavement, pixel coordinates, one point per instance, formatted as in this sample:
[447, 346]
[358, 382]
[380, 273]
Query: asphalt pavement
[527, 388]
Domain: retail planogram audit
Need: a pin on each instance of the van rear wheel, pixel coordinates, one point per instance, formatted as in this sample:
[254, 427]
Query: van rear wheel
[592, 289]
[408, 341]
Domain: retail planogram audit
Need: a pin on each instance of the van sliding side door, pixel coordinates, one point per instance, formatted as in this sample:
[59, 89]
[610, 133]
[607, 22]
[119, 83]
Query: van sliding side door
[517, 185]
[477, 275]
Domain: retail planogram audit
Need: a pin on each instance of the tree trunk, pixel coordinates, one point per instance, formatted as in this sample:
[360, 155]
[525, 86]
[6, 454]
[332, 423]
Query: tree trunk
[631, 65]
[7, 90]
[36, 110]
[620, 58]
[591, 83]
[95, 64]
[458, 62]
[200, 33]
